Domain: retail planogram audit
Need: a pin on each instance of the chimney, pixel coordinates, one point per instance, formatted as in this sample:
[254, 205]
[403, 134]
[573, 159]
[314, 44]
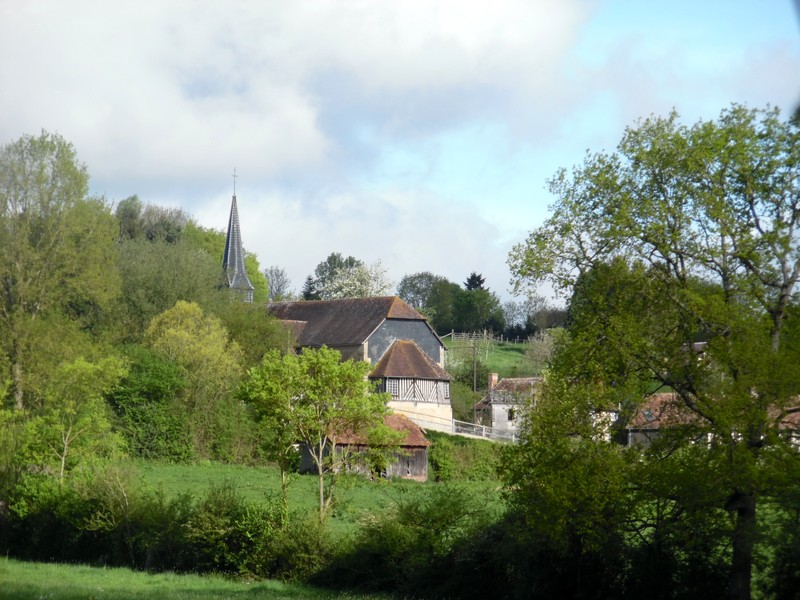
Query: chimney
[492, 380]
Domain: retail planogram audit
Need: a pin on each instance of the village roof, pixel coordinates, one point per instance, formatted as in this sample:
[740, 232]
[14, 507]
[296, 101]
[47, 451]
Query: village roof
[345, 322]
[666, 409]
[415, 436]
[517, 385]
[661, 410]
[405, 359]
[508, 390]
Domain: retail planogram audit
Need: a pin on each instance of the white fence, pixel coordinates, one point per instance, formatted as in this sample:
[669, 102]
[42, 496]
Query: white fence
[458, 427]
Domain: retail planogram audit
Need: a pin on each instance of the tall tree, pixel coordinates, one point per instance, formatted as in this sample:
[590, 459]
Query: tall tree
[278, 283]
[316, 398]
[56, 246]
[475, 281]
[310, 291]
[76, 421]
[359, 281]
[210, 364]
[213, 242]
[710, 215]
[417, 289]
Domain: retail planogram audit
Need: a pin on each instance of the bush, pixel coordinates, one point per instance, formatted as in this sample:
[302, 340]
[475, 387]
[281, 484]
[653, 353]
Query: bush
[456, 458]
[409, 548]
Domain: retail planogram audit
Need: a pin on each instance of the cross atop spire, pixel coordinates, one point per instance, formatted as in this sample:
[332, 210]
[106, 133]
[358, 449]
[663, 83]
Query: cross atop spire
[233, 259]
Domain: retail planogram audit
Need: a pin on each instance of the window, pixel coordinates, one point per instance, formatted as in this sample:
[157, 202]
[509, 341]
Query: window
[393, 387]
[511, 414]
[447, 390]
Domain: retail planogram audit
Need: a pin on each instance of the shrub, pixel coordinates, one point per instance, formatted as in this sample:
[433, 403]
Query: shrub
[456, 458]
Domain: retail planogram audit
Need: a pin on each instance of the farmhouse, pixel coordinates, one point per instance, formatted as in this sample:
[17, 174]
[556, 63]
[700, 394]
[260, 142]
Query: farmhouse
[502, 405]
[406, 353]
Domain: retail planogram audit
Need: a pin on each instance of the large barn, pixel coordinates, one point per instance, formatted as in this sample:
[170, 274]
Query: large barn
[406, 353]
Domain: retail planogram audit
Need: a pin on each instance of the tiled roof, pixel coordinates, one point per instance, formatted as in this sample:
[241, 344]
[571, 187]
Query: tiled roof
[517, 385]
[405, 359]
[347, 322]
[415, 437]
[661, 410]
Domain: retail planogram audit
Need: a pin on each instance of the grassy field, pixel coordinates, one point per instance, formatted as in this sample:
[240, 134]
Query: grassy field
[24, 580]
[356, 496]
[503, 358]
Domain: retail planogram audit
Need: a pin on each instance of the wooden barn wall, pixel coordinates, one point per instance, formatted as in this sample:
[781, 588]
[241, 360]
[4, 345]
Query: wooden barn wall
[412, 463]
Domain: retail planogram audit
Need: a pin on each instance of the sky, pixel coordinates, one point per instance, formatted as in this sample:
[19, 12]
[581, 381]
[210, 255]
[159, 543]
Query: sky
[417, 133]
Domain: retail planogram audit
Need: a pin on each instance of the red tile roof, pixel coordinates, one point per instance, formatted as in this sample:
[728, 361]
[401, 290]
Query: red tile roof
[405, 359]
[415, 437]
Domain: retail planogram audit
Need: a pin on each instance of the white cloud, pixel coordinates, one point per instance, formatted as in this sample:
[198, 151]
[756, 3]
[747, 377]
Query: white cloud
[415, 132]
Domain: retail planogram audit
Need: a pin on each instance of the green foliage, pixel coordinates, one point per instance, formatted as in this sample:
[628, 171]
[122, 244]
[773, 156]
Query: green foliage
[148, 410]
[684, 235]
[456, 458]
[56, 250]
[212, 242]
[75, 425]
[193, 276]
[416, 289]
[313, 398]
[253, 329]
[407, 548]
[210, 366]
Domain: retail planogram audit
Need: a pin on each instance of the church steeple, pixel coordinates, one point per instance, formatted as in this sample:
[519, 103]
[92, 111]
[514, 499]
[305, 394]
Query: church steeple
[233, 259]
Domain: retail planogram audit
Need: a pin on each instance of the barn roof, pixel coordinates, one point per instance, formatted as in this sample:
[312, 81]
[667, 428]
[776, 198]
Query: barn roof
[405, 359]
[346, 322]
[415, 437]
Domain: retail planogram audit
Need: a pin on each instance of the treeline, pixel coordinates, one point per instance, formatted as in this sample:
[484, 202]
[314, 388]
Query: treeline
[449, 306]
[116, 334]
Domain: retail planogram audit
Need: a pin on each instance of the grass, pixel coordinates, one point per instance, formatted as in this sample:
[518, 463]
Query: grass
[356, 496]
[23, 580]
[507, 359]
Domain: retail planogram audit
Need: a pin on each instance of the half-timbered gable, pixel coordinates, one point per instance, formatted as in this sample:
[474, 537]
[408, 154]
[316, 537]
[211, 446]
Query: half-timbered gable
[409, 375]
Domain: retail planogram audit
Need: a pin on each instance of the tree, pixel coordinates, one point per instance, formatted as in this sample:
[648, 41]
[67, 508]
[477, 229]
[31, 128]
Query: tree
[315, 398]
[213, 242]
[272, 389]
[76, 419]
[359, 281]
[210, 365]
[194, 277]
[440, 304]
[278, 283]
[326, 271]
[475, 281]
[148, 408]
[310, 289]
[477, 310]
[56, 247]
[688, 234]
[416, 289]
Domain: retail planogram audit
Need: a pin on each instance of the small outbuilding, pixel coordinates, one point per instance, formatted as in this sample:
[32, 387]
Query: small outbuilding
[410, 461]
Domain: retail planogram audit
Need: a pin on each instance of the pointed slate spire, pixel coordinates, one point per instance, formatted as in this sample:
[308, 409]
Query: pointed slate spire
[233, 259]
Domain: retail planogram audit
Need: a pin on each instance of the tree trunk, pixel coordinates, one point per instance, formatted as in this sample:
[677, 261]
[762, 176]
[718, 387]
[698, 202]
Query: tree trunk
[744, 533]
[16, 377]
[321, 475]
